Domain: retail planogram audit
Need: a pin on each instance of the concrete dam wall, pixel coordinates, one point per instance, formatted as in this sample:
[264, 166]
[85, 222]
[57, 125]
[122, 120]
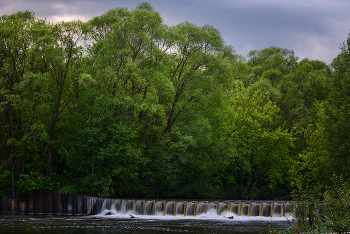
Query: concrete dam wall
[46, 202]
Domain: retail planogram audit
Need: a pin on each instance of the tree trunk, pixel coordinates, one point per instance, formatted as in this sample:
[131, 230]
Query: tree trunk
[13, 177]
[49, 151]
[49, 160]
[17, 169]
[50, 147]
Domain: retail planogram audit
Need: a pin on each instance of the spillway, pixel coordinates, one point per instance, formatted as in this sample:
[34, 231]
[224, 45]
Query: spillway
[271, 209]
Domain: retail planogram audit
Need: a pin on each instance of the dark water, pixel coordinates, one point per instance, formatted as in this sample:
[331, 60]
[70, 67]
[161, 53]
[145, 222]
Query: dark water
[108, 224]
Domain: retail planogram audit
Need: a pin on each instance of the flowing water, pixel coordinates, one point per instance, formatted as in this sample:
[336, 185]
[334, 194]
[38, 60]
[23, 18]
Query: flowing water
[210, 223]
[159, 216]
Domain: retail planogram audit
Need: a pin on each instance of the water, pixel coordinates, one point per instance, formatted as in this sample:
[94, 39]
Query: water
[140, 225]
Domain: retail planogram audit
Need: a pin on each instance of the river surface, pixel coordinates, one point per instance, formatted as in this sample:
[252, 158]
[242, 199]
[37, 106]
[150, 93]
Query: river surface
[139, 225]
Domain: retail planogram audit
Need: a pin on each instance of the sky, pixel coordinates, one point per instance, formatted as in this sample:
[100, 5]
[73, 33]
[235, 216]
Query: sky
[313, 29]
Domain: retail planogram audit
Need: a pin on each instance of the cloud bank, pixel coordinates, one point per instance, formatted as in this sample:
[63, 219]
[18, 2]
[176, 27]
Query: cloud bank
[314, 28]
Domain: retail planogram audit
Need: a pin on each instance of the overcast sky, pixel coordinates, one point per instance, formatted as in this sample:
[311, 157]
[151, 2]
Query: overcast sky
[311, 28]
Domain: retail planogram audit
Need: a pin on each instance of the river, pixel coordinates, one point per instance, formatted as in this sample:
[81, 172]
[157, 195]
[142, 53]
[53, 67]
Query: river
[29, 224]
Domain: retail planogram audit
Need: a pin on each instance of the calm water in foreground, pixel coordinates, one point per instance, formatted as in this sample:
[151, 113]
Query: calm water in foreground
[140, 225]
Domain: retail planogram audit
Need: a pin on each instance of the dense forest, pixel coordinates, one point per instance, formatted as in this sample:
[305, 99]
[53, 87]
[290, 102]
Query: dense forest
[126, 106]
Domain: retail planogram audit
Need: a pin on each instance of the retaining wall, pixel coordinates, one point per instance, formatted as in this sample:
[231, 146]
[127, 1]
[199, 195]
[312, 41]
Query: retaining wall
[46, 202]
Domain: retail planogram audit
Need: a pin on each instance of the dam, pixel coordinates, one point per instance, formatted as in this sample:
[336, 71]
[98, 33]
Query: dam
[45, 202]
[196, 208]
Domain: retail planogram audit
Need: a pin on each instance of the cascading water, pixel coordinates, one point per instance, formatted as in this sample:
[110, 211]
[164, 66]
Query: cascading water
[201, 208]
[191, 208]
[195, 208]
[236, 208]
[170, 208]
[138, 207]
[255, 209]
[277, 209]
[159, 208]
[266, 209]
[287, 209]
[223, 208]
[245, 208]
[149, 207]
[117, 206]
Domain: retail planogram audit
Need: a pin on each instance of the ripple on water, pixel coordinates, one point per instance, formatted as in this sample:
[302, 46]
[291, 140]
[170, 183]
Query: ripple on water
[97, 224]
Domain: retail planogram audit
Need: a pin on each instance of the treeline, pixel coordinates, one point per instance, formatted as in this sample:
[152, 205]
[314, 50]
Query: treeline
[126, 106]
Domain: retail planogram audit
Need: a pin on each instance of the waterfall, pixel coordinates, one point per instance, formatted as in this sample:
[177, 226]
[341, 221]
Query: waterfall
[201, 208]
[117, 206]
[170, 208]
[180, 208]
[277, 209]
[194, 208]
[266, 209]
[159, 208]
[106, 205]
[236, 208]
[255, 209]
[245, 211]
[212, 206]
[138, 207]
[287, 209]
[191, 208]
[224, 207]
[149, 207]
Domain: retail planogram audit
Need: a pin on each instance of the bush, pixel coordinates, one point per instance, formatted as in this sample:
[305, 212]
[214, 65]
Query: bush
[307, 207]
[337, 198]
[33, 181]
[316, 212]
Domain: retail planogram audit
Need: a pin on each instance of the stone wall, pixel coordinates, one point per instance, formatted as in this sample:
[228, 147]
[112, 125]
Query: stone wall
[46, 202]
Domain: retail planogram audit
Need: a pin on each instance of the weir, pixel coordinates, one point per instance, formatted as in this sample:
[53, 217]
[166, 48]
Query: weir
[45, 202]
[196, 208]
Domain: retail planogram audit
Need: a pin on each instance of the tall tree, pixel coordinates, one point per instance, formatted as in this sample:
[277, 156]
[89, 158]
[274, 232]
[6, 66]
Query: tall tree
[20, 95]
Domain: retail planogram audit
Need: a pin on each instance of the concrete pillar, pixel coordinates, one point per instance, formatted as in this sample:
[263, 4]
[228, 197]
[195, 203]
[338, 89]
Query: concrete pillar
[75, 204]
[99, 205]
[38, 202]
[7, 205]
[80, 205]
[23, 207]
[64, 204]
[89, 205]
[94, 206]
[13, 205]
[1, 206]
[70, 204]
[48, 202]
[56, 203]
[85, 200]
[31, 203]
[59, 204]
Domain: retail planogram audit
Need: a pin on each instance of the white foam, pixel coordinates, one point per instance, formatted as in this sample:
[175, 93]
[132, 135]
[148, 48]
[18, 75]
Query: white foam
[211, 214]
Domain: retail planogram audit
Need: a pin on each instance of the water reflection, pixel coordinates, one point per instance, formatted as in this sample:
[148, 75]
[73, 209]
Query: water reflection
[98, 224]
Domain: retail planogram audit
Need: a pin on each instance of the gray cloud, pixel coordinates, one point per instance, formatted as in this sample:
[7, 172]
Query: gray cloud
[312, 28]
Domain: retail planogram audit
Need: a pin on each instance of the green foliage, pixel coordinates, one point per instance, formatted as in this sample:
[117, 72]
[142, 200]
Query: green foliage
[70, 189]
[264, 146]
[149, 110]
[317, 212]
[308, 210]
[33, 181]
[5, 180]
[337, 210]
